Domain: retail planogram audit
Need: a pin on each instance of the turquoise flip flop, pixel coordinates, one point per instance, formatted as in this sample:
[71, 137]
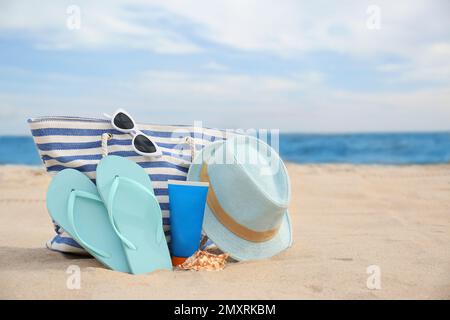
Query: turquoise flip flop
[134, 213]
[74, 203]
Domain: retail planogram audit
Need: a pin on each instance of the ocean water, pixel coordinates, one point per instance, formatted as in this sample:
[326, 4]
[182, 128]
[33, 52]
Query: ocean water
[382, 148]
[18, 150]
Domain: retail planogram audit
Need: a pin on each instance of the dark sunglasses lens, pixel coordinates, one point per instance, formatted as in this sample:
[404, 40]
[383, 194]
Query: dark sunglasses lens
[143, 144]
[122, 121]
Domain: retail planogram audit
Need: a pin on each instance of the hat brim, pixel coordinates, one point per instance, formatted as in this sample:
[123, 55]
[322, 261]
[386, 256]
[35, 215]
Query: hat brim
[238, 248]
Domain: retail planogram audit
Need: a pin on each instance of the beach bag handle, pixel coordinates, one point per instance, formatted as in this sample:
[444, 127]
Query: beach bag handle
[105, 137]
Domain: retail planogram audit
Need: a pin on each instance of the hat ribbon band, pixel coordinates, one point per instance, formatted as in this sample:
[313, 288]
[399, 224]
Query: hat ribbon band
[228, 221]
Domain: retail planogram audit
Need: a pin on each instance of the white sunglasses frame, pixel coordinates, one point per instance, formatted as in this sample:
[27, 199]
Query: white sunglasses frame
[134, 132]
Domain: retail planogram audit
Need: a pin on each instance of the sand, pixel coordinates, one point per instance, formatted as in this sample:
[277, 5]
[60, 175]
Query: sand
[345, 219]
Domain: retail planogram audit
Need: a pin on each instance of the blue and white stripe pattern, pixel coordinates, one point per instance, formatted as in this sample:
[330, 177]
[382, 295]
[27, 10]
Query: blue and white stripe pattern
[71, 142]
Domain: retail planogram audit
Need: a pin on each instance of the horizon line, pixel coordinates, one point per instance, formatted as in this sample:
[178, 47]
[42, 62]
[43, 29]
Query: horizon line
[336, 133]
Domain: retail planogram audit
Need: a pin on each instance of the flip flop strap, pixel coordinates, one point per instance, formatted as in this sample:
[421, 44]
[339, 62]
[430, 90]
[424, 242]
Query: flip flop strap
[70, 210]
[111, 197]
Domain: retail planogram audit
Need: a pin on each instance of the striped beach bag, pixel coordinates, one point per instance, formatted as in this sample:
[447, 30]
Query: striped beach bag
[80, 143]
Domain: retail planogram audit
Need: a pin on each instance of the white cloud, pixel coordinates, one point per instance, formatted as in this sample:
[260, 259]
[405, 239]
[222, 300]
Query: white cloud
[430, 64]
[290, 27]
[293, 27]
[215, 66]
[414, 33]
[421, 110]
[103, 25]
[293, 103]
[229, 86]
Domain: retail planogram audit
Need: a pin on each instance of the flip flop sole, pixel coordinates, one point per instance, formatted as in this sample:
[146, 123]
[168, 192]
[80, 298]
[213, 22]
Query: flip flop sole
[90, 223]
[128, 194]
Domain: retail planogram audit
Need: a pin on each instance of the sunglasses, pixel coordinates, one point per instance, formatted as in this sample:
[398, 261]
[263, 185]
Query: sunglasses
[142, 144]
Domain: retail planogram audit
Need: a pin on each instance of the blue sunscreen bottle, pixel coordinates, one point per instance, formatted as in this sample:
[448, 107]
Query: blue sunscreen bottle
[187, 200]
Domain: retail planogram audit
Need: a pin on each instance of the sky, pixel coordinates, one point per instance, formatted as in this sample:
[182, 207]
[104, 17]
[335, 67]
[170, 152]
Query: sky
[298, 66]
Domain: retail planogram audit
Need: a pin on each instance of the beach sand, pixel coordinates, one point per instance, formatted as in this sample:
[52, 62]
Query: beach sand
[345, 219]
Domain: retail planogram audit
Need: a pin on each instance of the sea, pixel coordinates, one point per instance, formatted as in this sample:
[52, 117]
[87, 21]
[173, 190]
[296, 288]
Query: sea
[360, 148]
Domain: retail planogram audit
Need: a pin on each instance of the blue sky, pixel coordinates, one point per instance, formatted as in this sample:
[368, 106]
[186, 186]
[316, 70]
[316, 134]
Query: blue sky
[321, 66]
